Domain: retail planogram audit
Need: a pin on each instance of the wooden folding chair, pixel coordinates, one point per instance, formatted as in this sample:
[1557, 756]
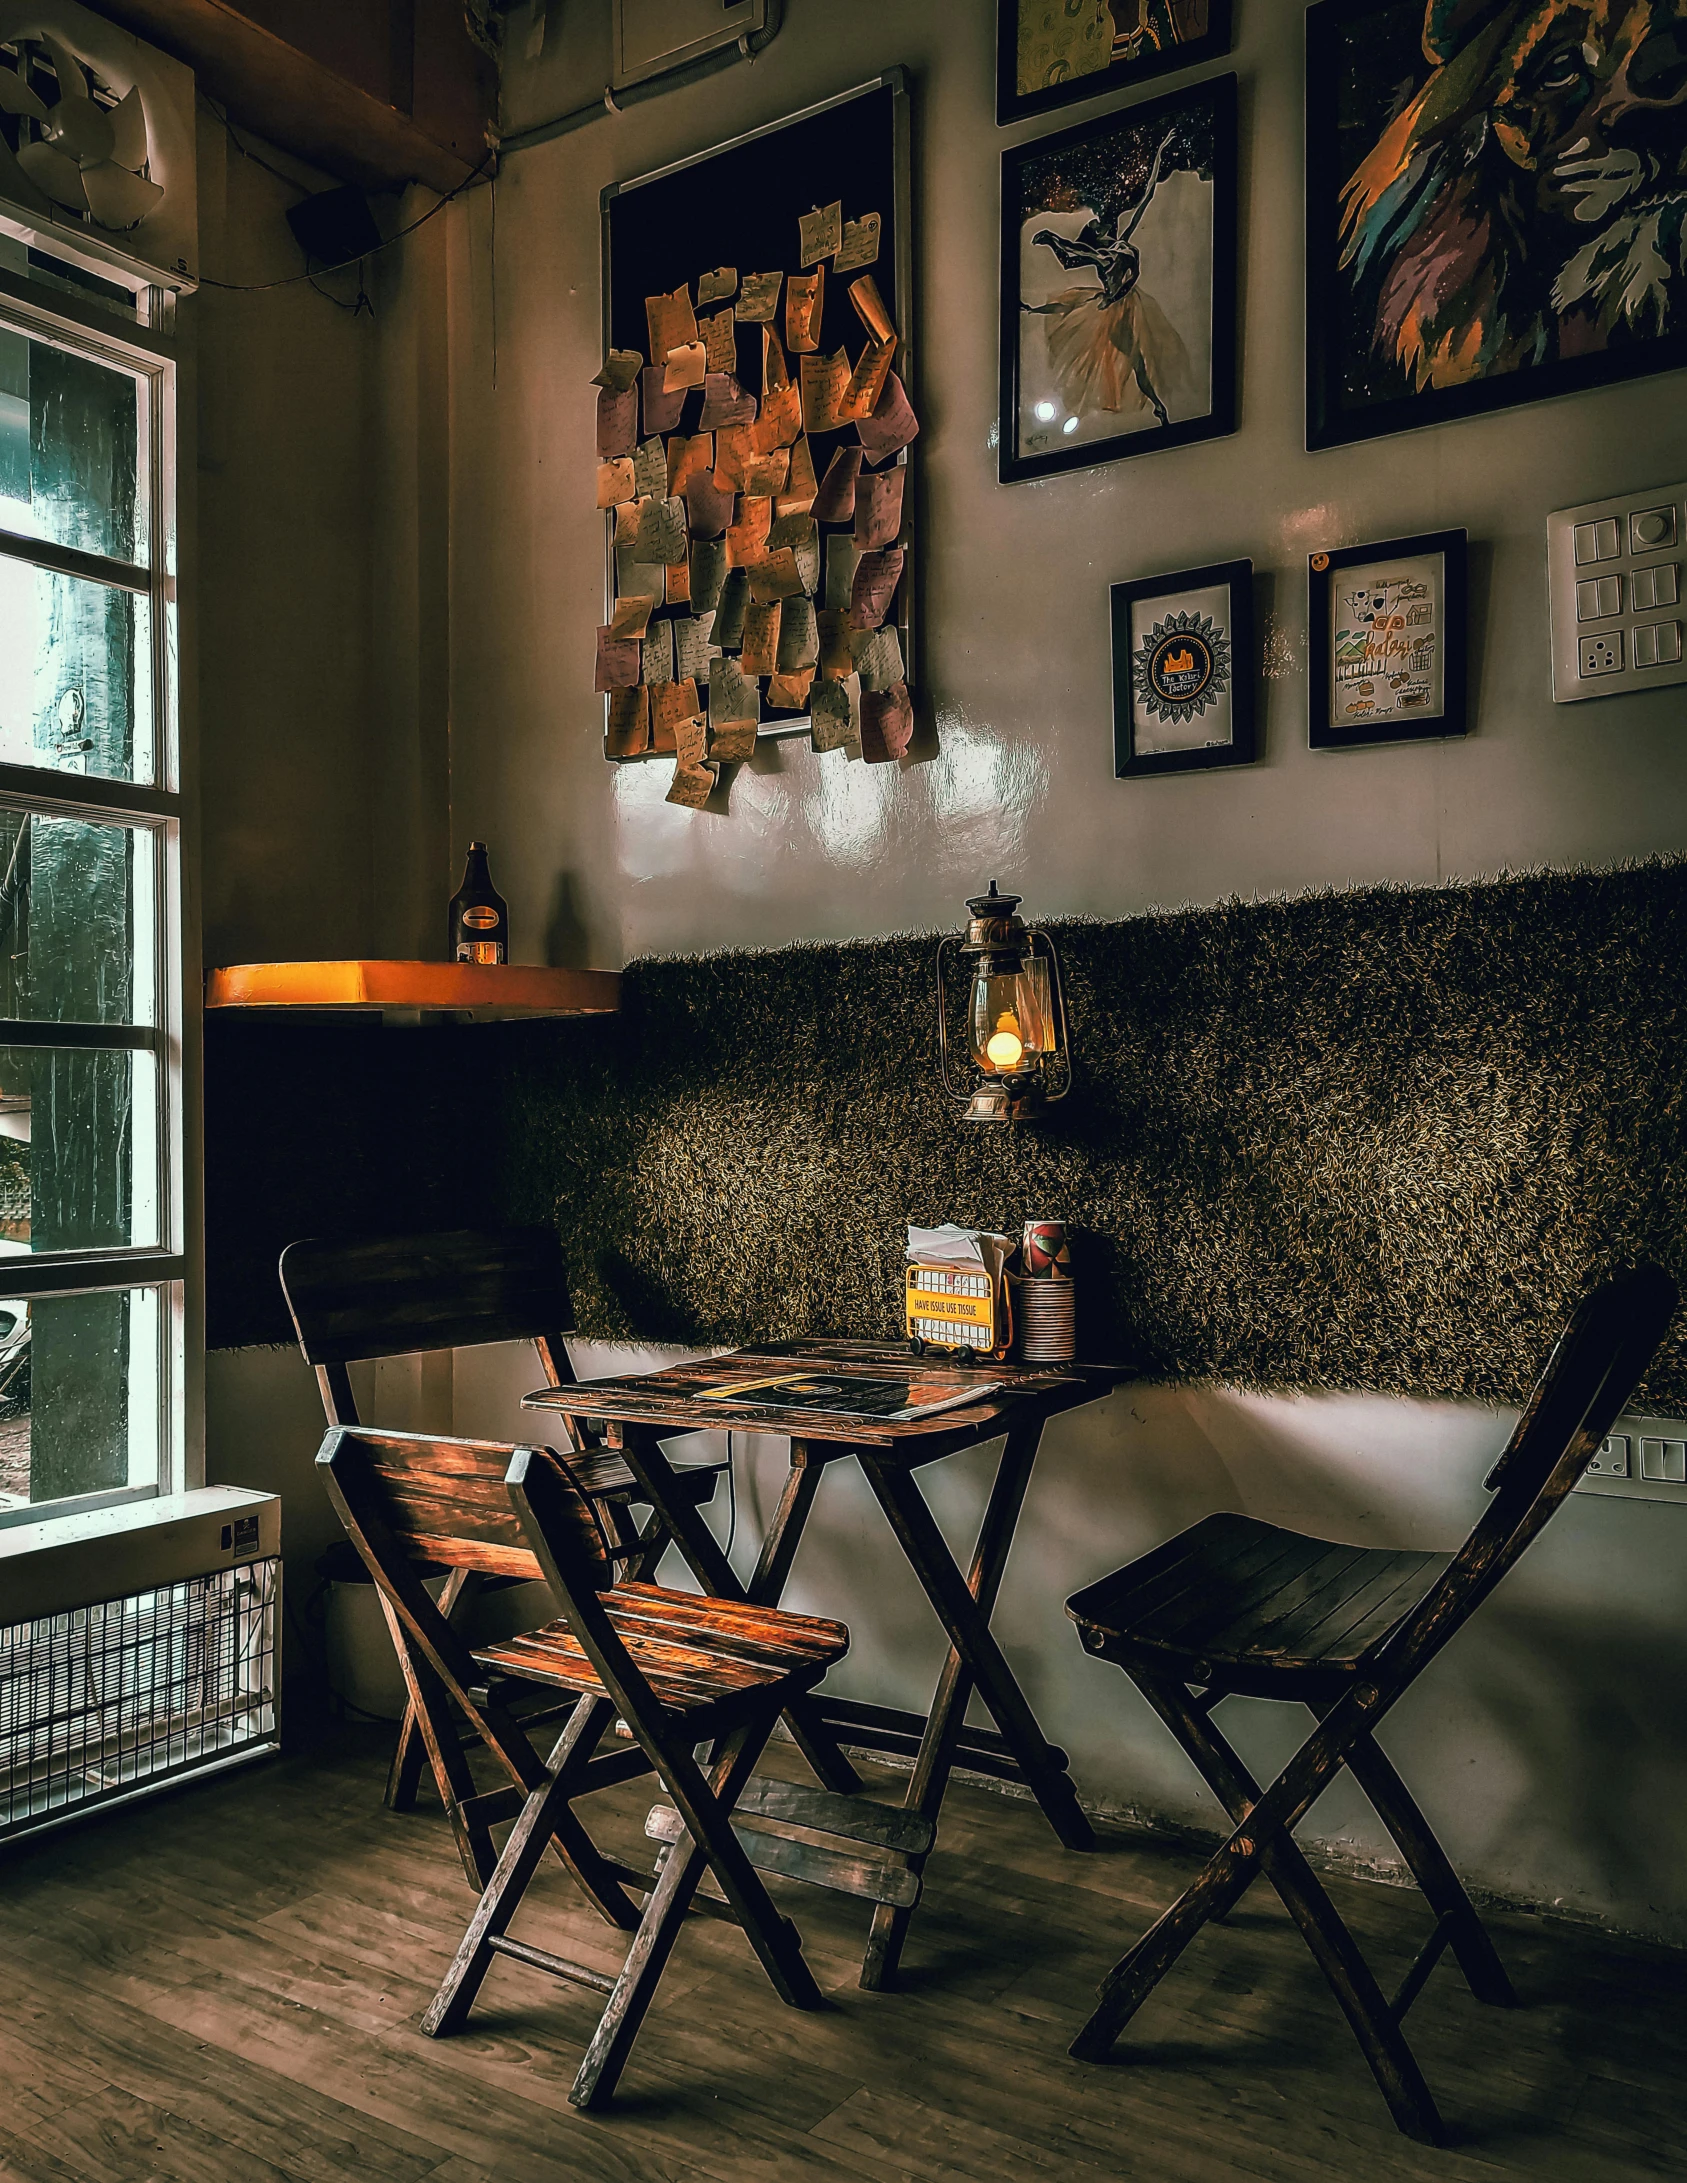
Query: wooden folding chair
[681, 1670]
[1237, 1607]
[366, 1298]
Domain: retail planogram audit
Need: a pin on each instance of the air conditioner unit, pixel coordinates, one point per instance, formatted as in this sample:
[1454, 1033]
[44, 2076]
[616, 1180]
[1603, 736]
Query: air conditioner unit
[654, 36]
[138, 1645]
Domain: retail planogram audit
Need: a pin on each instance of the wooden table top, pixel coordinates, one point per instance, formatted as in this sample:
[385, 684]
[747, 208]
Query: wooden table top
[682, 1397]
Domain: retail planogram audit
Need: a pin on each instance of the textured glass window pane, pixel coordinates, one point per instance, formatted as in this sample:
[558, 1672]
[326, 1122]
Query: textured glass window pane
[78, 1150]
[77, 903]
[75, 675]
[83, 483]
[80, 1394]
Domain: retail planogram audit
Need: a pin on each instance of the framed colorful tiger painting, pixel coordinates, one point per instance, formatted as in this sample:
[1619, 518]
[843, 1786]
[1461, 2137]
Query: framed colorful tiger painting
[1496, 205]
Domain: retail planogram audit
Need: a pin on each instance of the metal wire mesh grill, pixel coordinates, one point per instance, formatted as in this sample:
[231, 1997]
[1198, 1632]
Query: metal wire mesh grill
[97, 1702]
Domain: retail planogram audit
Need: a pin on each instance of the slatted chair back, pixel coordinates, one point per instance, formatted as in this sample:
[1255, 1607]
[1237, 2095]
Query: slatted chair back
[1594, 1367]
[355, 1299]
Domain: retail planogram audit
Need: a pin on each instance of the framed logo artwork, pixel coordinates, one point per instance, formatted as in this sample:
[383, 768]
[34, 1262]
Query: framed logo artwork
[1183, 671]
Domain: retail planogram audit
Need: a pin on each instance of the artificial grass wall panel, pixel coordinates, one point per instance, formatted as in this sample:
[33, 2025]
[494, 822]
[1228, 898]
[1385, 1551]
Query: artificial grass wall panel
[1377, 1139]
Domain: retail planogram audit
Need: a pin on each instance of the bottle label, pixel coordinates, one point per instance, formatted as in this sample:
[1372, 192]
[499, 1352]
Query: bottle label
[480, 920]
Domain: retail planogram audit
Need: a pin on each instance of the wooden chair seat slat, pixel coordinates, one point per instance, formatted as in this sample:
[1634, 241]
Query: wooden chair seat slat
[1234, 1606]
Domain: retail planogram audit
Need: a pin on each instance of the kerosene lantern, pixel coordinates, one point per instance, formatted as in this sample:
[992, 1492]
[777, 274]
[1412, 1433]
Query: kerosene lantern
[1016, 1015]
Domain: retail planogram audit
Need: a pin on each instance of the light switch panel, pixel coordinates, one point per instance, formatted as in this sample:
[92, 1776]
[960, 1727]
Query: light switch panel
[1614, 577]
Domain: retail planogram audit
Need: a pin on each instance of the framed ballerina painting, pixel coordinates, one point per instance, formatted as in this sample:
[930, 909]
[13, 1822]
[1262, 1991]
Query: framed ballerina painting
[1119, 285]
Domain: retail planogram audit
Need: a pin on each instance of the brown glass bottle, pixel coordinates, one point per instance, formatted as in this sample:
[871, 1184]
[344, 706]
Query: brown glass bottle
[480, 918]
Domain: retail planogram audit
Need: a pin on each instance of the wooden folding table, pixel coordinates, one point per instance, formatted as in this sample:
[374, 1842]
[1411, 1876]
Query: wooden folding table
[832, 1836]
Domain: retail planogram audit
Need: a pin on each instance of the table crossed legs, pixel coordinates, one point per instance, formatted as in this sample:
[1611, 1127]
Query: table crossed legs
[876, 1853]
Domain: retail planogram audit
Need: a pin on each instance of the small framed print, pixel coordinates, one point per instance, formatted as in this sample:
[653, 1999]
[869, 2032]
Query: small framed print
[1387, 626]
[1052, 52]
[1183, 671]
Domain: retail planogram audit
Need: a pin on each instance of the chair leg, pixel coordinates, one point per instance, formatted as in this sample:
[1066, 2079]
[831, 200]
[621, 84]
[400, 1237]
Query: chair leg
[544, 1815]
[438, 1736]
[700, 1848]
[404, 1776]
[1336, 1952]
[1442, 1889]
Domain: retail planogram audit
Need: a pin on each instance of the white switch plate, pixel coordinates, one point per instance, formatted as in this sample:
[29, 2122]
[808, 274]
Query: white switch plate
[1614, 578]
[1638, 1448]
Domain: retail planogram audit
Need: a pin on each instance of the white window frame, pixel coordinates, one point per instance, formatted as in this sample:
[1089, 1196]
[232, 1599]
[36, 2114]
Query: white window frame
[144, 351]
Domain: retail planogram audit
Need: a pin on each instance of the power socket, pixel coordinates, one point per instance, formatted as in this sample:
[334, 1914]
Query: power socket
[1642, 1459]
[1600, 655]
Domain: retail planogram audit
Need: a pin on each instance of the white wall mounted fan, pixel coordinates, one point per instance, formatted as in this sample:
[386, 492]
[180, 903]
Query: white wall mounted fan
[85, 154]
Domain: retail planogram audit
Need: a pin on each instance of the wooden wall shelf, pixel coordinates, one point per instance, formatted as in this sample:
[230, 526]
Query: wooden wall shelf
[486, 992]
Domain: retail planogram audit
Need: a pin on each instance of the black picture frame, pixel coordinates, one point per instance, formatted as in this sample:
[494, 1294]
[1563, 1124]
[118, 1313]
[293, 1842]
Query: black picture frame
[1359, 55]
[1451, 624]
[1158, 59]
[1202, 114]
[1237, 662]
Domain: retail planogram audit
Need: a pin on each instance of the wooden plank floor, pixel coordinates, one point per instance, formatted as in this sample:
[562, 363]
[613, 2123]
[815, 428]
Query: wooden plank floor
[222, 1986]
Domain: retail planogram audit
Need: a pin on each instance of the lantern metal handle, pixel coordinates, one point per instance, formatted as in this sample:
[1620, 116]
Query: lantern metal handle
[1058, 984]
[948, 940]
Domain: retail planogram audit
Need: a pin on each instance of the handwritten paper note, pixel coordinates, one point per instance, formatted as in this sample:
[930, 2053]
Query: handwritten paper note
[661, 531]
[842, 555]
[734, 446]
[834, 712]
[617, 422]
[870, 309]
[867, 380]
[658, 666]
[629, 617]
[800, 487]
[799, 638]
[887, 724]
[776, 576]
[825, 388]
[677, 590]
[760, 651]
[685, 368]
[671, 321]
[835, 501]
[635, 578]
[758, 299]
[802, 534]
[692, 786]
[860, 244]
[617, 661]
[627, 731]
[775, 372]
[725, 402]
[878, 507]
[720, 340]
[691, 739]
[729, 614]
[615, 483]
[789, 693]
[708, 571]
[732, 742]
[715, 287]
[692, 651]
[662, 410]
[878, 657]
[805, 298]
[765, 475]
[650, 469]
[819, 233]
[672, 703]
[732, 695]
[746, 541]
[780, 421]
[708, 510]
[837, 661]
[892, 424]
[688, 458]
[620, 369]
[876, 578]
